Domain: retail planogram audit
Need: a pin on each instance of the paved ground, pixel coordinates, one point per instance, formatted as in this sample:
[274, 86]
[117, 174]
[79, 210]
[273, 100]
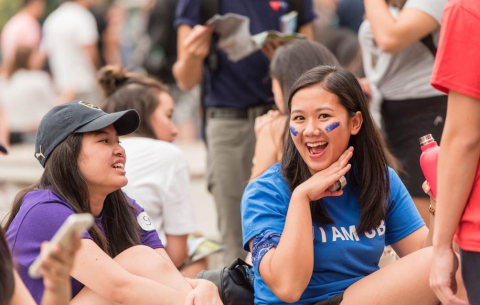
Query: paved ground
[20, 168]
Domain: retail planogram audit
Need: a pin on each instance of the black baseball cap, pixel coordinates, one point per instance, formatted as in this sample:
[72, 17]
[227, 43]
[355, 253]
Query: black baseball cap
[78, 117]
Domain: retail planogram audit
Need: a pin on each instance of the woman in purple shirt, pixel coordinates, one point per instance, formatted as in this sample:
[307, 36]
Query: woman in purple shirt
[121, 259]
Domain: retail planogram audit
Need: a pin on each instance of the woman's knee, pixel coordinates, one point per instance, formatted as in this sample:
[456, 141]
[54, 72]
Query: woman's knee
[142, 260]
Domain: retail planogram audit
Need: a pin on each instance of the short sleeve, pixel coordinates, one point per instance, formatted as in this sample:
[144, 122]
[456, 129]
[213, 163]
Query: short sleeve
[451, 71]
[187, 12]
[178, 210]
[434, 8]
[89, 33]
[264, 207]
[148, 234]
[309, 14]
[402, 216]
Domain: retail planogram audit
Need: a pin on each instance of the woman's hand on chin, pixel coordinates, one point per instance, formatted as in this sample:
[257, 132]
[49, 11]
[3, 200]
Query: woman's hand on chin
[317, 186]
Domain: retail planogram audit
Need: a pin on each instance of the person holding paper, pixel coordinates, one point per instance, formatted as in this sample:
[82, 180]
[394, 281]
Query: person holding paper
[235, 94]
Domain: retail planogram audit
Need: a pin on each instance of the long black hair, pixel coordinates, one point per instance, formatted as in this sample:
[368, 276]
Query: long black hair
[62, 176]
[369, 177]
[7, 280]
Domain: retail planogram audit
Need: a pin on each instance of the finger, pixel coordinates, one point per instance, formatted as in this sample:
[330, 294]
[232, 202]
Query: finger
[343, 160]
[190, 298]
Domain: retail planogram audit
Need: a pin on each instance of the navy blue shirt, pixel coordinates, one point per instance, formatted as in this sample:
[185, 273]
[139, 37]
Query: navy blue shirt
[245, 83]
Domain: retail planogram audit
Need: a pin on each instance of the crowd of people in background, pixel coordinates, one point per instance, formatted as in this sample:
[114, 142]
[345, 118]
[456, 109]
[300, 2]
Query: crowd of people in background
[94, 83]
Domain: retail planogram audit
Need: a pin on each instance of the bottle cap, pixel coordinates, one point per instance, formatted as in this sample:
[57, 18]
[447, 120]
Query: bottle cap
[426, 139]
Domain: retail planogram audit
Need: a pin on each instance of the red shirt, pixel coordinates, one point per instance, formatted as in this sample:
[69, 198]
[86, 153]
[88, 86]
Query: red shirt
[457, 68]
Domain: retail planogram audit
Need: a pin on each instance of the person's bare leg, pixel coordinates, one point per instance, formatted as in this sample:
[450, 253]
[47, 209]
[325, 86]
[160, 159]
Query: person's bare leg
[141, 261]
[422, 204]
[404, 282]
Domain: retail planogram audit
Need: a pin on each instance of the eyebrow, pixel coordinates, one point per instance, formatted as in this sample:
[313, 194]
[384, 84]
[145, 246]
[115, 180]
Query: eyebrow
[316, 110]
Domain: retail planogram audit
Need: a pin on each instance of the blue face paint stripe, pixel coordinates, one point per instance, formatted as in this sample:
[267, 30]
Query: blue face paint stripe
[293, 131]
[332, 127]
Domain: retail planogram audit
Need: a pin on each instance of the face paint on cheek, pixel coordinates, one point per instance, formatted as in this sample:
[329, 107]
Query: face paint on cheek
[293, 131]
[332, 127]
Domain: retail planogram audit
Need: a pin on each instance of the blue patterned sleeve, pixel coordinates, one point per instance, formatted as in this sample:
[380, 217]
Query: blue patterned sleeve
[262, 243]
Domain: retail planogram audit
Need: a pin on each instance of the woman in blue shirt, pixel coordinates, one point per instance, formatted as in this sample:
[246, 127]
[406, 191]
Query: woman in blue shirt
[289, 206]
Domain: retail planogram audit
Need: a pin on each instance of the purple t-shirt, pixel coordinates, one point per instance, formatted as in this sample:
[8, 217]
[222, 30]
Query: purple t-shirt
[41, 214]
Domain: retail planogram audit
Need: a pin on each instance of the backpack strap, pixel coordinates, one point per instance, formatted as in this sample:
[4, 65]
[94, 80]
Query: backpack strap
[299, 7]
[428, 42]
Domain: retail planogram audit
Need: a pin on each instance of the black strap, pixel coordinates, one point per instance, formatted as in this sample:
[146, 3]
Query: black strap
[428, 42]
[299, 7]
[209, 8]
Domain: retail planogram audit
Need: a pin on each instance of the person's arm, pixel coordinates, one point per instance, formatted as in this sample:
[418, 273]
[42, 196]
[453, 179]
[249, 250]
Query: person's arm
[193, 47]
[457, 165]
[177, 249]
[393, 35]
[307, 30]
[269, 131]
[104, 276]
[4, 130]
[92, 54]
[288, 281]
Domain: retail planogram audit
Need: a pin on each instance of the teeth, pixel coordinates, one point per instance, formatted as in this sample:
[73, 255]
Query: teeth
[118, 165]
[316, 144]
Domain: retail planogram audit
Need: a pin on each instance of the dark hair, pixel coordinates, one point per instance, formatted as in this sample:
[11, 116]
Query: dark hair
[7, 280]
[369, 177]
[125, 91]
[294, 59]
[63, 177]
[396, 3]
[21, 60]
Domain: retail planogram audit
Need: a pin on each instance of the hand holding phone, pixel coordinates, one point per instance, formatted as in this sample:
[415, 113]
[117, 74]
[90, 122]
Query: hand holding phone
[74, 224]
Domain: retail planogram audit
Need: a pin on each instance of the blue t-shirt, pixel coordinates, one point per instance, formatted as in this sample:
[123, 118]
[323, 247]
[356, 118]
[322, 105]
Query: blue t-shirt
[245, 83]
[41, 214]
[341, 257]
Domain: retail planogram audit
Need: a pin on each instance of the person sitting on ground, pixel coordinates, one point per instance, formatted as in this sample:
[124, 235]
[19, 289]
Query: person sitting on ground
[314, 245]
[55, 269]
[158, 174]
[121, 259]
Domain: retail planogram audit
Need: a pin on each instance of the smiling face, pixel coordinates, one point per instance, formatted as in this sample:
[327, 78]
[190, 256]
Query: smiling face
[161, 119]
[102, 160]
[321, 126]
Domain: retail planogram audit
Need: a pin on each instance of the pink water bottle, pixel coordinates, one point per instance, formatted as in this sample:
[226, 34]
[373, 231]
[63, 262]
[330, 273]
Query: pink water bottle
[429, 160]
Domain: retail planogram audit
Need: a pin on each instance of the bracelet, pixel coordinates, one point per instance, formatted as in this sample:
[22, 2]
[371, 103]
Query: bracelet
[431, 210]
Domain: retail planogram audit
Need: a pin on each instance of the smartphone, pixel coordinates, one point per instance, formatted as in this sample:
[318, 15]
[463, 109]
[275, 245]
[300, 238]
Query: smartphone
[76, 223]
